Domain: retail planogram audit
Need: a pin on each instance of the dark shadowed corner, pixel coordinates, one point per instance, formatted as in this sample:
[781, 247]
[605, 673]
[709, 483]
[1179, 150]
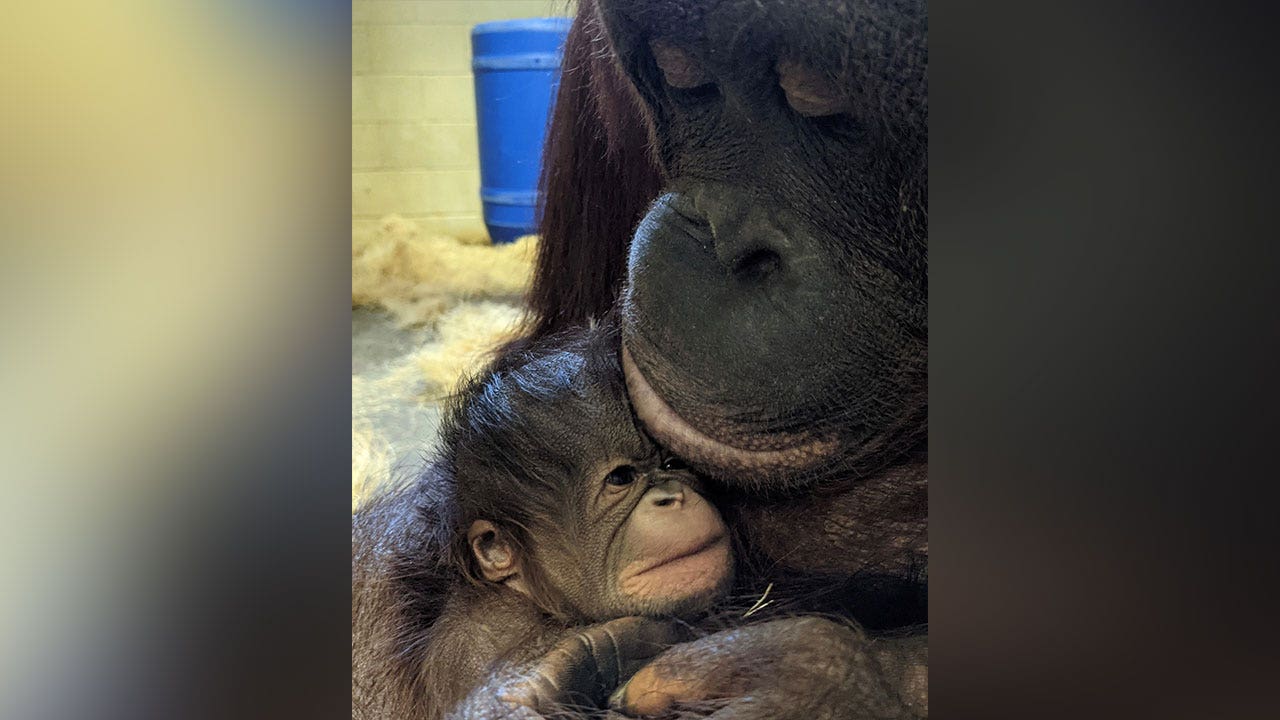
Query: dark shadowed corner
[1102, 370]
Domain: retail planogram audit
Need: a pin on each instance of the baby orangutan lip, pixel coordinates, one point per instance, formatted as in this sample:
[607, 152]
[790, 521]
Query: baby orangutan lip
[687, 441]
[693, 570]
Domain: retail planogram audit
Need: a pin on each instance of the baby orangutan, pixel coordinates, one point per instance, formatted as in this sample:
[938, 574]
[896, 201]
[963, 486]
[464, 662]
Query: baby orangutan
[578, 542]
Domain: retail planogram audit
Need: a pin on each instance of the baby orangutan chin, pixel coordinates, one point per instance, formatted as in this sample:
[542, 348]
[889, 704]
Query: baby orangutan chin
[578, 540]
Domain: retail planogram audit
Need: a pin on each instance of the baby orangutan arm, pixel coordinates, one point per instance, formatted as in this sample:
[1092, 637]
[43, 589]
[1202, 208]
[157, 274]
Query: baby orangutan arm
[804, 667]
[578, 673]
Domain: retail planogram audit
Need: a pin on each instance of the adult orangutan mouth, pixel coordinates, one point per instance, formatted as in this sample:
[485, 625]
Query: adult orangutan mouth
[692, 444]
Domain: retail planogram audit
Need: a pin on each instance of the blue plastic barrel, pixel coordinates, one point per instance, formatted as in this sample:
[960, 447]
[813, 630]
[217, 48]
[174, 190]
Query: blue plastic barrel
[517, 69]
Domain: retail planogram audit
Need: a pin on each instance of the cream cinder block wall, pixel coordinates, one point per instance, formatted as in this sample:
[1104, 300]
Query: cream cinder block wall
[413, 119]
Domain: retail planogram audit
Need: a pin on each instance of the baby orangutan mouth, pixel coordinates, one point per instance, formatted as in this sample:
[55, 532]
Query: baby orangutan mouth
[687, 441]
[700, 571]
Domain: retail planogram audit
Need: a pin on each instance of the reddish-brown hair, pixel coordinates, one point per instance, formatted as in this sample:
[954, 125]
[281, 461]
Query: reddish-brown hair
[598, 179]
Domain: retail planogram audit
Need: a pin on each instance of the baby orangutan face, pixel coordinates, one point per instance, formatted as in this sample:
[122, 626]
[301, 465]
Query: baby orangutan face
[673, 551]
[643, 541]
[570, 503]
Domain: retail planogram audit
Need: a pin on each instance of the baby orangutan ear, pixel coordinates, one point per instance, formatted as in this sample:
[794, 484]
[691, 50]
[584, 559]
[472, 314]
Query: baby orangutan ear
[494, 553]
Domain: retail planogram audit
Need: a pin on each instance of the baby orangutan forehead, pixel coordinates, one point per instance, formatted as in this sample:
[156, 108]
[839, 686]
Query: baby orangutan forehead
[591, 430]
[567, 412]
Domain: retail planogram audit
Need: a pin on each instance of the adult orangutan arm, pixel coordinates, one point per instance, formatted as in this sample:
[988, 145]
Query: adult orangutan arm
[804, 667]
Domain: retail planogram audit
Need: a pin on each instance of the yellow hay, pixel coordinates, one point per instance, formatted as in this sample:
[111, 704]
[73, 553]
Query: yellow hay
[418, 278]
[468, 334]
[369, 463]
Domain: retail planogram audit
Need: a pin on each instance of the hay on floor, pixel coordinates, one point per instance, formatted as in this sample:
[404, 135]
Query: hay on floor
[419, 277]
[455, 303]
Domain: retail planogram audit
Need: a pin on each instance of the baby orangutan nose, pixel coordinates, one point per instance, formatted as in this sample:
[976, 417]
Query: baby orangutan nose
[667, 494]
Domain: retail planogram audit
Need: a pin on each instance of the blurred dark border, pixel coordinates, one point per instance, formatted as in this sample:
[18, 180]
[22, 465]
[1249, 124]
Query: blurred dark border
[1104, 350]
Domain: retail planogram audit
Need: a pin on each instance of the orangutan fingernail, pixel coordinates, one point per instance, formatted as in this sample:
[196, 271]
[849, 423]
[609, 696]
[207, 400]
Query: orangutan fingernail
[619, 697]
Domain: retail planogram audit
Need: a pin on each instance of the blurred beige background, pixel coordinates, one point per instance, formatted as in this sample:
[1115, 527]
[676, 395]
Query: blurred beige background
[413, 117]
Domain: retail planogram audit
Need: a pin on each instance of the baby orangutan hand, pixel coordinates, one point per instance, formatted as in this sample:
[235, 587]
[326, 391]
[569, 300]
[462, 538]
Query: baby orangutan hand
[577, 674]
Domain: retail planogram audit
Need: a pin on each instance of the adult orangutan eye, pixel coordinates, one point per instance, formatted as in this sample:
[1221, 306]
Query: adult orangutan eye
[674, 463]
[679, 68]
[622, 476]
[809, 92]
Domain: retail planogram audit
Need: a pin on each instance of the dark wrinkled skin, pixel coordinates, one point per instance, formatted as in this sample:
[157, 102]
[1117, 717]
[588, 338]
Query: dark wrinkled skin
[777, 290]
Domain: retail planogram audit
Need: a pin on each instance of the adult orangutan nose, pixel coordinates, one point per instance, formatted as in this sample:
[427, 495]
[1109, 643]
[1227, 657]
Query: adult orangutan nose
[749, 241]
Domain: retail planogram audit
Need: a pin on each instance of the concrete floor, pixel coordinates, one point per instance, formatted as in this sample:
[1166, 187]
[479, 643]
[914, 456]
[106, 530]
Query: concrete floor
[396, 410]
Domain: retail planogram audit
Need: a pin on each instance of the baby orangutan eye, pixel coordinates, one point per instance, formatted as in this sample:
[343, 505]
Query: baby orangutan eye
[622, 476]
[674, 463]
[679, 68]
